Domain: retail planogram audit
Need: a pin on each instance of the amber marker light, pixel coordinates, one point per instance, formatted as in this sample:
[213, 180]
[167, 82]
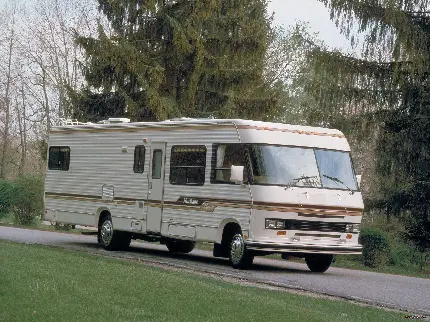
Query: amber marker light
[245, 236]
[348, 236]
[281, 233]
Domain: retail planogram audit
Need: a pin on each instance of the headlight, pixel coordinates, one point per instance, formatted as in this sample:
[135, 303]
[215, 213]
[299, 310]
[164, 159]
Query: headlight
[275, 224]
[352, 228]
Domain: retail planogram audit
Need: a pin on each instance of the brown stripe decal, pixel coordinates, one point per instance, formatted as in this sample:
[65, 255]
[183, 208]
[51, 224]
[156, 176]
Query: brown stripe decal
[209, 204]
[261, 128]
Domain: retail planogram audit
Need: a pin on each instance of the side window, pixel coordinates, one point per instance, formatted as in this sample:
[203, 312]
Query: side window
[157, 158]
[59, 158]
[187, 165]
[139, 159]
[225, 156]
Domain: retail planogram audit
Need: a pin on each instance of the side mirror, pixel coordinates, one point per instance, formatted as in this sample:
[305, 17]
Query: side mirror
[358, 180]
[237, 174]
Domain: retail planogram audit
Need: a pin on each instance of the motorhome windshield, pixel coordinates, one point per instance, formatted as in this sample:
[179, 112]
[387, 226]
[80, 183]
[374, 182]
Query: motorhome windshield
[281, 165]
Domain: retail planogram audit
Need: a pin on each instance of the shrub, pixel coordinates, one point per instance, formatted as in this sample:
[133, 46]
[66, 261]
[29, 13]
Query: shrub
[61, 226]
[27, 199]
[6, 193]
[376, 247]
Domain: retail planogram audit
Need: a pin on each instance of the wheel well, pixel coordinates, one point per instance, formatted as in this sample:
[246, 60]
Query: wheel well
[229, 230]
[102, 215]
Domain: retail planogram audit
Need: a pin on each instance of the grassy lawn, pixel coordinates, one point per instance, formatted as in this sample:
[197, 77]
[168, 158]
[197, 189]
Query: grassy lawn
[8, 220]
[39, 283]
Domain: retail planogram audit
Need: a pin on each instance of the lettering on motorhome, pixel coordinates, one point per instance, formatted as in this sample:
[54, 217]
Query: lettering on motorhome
[190, 201]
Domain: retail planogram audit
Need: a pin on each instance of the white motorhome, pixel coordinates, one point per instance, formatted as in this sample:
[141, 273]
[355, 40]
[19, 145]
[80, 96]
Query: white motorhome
[251, 188]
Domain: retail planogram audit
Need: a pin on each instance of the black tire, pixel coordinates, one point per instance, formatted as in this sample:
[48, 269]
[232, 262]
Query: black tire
[318, 263]
[240, 257]
[111, 239]
[180, 246]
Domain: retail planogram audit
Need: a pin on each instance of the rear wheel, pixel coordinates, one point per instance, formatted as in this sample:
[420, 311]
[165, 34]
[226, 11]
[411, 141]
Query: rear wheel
[319, 263]
[112, 239]
[239, 256]
[180, 246]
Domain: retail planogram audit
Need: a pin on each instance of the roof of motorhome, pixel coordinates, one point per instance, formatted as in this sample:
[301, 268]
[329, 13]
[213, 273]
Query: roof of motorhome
[185, 122]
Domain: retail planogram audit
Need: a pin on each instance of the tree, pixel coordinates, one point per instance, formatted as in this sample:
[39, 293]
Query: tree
[390, 89]
[8, 76]
[287, 65]
[183, 58]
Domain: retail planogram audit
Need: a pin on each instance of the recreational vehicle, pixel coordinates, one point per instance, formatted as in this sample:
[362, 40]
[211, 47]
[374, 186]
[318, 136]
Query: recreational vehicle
[250, 188]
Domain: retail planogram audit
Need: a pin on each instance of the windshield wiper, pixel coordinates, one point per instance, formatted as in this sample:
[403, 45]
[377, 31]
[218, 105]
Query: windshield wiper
[337, 180]
[303, 177]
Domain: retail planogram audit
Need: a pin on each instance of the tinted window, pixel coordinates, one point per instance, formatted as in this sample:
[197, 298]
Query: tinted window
[59, 158]
[187, 165]
[139, 159]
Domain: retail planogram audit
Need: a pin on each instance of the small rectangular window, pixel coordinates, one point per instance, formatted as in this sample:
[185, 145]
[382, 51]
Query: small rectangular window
[139, 159]
[156, 164]
[59, 158]
[226, 155]
[187, 165]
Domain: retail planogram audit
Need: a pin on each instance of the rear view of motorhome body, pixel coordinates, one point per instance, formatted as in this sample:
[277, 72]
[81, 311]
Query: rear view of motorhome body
[251, 188]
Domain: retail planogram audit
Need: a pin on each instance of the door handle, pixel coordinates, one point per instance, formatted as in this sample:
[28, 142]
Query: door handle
[150, 185]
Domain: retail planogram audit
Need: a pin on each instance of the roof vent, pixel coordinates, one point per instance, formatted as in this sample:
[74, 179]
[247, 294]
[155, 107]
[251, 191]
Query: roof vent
[113, 120]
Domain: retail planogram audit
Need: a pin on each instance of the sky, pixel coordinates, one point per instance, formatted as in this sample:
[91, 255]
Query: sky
[287, 12]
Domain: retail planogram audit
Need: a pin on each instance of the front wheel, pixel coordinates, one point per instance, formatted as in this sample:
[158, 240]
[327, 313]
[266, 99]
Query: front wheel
[239, 256]
[318, 263]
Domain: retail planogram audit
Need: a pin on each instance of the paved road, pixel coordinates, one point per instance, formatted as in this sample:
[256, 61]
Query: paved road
[399, 292]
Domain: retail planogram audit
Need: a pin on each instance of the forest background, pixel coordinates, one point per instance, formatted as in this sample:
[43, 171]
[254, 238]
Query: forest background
[155, 60]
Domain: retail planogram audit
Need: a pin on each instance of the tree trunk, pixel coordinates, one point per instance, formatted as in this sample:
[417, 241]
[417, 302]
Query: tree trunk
[5, 137]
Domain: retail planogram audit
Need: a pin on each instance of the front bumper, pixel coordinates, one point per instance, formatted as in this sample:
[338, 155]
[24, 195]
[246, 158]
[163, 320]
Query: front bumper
[273, 247]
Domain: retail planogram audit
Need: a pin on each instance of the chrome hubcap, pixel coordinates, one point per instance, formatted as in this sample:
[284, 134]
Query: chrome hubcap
[107, 232]
[237, 249]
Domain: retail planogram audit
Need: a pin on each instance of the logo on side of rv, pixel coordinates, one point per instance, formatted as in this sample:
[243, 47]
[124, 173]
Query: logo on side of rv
[199, 203]
[191, 201]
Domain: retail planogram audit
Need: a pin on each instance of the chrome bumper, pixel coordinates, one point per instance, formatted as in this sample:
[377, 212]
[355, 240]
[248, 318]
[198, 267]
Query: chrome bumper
[303, 248]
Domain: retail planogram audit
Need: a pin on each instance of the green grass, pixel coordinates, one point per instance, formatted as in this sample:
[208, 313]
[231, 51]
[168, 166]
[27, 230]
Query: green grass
[40, 283]
[8, 220]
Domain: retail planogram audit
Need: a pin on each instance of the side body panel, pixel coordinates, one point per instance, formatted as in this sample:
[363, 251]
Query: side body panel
[101, 163]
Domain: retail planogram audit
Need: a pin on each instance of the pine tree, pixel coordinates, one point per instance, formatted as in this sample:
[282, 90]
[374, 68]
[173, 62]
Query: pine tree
[183, 58]
[391, 88]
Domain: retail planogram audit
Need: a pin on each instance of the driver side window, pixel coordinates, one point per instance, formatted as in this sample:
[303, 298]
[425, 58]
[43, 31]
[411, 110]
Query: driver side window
[226, 155]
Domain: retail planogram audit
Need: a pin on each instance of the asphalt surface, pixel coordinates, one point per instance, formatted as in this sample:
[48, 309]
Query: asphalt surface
[392, 291]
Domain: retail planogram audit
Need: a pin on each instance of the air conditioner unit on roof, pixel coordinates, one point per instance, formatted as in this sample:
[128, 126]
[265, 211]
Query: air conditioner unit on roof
[118, 120]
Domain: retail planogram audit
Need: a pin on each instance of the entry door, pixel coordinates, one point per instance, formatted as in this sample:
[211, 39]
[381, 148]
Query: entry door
[156, 185]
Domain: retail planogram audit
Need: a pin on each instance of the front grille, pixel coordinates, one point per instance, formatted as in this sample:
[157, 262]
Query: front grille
[314, 226]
